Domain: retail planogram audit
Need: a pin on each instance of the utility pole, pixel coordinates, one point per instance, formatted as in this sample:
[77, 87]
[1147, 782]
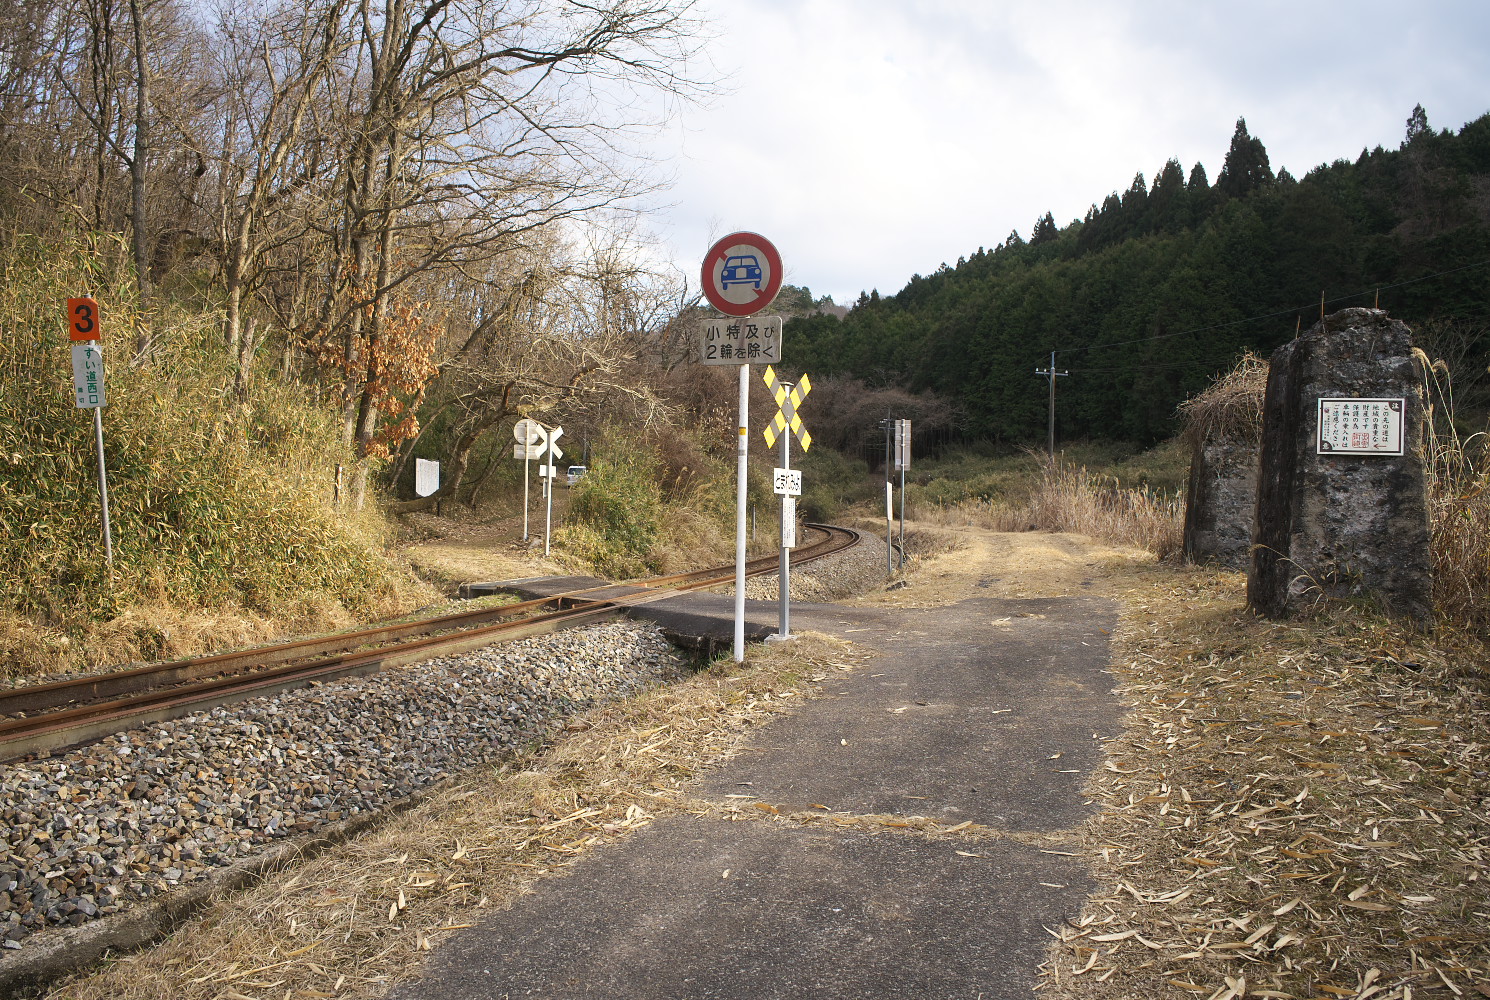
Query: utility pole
[1053, 375]
[889, 425]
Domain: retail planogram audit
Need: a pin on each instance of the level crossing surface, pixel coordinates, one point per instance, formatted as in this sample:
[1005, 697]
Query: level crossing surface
[989, 710]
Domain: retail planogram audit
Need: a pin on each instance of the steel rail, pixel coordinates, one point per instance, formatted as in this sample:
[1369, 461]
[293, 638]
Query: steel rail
[231, 677]
[96, 687]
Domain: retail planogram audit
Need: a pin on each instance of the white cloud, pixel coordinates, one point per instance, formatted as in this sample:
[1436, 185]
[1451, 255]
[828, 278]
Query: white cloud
[876, 139]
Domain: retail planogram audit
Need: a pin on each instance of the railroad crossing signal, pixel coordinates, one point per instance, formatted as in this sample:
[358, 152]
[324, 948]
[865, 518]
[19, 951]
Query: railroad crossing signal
[787, 416]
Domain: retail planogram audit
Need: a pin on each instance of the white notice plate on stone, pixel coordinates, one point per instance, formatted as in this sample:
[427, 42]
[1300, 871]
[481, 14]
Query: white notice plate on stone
[1360, 426]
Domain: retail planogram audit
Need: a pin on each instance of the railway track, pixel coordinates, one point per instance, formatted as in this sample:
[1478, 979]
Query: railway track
[47, 717]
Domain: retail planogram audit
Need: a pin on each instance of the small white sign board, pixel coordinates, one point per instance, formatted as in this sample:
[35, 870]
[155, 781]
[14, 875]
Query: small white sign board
[527, 431]
[523, 452]
[752, 341]
[548, 471]
[87, 374]
[788, 482]
[902, 445]
[426, 477]
[1360, 427]
[788, 522]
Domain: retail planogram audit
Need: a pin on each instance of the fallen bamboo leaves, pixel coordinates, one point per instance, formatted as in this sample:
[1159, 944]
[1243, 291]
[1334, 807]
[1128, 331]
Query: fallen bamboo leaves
[1290, 813]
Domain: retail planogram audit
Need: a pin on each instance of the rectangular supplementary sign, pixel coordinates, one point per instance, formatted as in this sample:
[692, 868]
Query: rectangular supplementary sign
[87, 374]
[755, 340]
[1360, 427]
[787, 482]
[902, 445]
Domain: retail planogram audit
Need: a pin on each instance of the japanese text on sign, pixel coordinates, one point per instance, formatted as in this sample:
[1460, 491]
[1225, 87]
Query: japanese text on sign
[87, 374]
[1360, 427]
[756, 340]
[787, 482]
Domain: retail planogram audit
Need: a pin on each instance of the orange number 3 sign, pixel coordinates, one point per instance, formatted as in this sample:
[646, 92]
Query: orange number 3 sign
[82, 320]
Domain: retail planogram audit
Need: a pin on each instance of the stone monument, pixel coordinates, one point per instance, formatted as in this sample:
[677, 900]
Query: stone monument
[1341, 501]
[1223, 428]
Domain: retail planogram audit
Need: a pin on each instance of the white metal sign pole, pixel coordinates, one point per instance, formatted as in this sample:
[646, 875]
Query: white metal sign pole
[788, 510]
[889, 526]
[528, 432]
[103, 489]
[741, 454]
[552, 455]
[548, 519]
[902, 459]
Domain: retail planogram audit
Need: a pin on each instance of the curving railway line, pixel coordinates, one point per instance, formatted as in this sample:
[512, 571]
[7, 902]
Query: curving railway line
[46, 717]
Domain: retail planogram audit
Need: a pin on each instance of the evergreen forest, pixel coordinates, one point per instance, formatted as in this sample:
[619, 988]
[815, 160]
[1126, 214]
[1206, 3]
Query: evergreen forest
[1164, 284]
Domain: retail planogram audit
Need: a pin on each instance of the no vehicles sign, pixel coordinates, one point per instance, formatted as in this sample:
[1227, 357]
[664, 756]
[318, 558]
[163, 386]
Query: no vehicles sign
[742, 274]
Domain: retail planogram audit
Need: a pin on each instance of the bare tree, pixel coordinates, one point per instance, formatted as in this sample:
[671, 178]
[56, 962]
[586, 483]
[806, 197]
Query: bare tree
[466, 127]
[563, 339]
[276, 71]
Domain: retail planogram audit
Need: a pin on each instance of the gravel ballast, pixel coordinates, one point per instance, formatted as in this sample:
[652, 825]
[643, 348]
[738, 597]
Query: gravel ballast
[92, 831]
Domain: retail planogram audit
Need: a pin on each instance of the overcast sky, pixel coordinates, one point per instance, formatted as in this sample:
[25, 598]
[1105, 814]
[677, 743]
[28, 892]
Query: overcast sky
[875, 139]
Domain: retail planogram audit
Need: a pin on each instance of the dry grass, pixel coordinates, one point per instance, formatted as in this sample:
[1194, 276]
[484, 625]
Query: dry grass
[1231, 406]
[1458, 506]
[989, 515]
[160, 630]
[1294, 810]
[1067, 498]
[351, 923]
[1072, 499]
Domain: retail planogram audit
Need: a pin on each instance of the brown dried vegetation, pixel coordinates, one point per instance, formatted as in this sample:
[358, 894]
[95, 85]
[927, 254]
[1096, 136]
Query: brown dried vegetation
[1294, 810]
[1231, 407]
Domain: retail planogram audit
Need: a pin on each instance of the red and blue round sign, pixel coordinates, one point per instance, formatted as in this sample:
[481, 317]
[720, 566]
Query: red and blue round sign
[742, 274]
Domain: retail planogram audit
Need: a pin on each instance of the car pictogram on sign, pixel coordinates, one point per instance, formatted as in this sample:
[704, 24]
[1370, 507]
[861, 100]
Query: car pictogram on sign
[741, 274]
[743, 270]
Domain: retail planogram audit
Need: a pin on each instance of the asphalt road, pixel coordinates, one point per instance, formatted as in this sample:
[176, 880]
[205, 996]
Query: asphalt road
[990, 710]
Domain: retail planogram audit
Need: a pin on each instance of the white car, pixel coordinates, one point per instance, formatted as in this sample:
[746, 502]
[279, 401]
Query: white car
[575, 474]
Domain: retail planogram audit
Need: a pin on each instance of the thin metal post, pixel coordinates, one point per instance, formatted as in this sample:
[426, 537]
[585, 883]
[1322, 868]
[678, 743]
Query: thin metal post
[527, 459]
[742, 450]
[902, 517]
[103, 489]
[784, 590]
[889, 500]
[548, 519]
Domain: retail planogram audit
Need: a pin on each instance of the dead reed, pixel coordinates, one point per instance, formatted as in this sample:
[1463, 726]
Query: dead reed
[1458, 507]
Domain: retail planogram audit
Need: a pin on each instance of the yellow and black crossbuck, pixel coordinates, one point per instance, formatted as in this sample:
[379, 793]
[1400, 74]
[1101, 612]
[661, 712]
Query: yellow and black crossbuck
[787, 416]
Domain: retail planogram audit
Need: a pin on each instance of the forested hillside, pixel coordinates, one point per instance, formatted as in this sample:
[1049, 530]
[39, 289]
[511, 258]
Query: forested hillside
[1162, 285]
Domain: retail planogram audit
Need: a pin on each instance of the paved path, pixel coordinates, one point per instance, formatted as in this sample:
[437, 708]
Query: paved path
[989, 710]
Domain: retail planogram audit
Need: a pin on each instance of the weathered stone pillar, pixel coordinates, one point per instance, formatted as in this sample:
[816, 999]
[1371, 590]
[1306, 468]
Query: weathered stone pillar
[1223, 427]
[1341, 503]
